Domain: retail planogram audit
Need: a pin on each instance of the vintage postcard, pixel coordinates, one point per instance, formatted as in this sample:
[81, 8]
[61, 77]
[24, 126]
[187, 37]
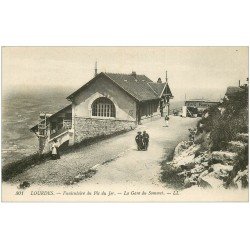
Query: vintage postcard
[125, 124]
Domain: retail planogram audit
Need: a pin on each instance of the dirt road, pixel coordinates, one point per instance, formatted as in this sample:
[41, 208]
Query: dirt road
[116, 159]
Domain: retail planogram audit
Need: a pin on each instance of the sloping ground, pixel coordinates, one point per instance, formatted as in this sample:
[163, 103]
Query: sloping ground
[18, 115]
[118, 158]
[217, 155]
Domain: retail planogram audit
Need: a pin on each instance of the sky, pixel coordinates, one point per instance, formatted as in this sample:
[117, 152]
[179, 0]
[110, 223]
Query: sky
[197, 72]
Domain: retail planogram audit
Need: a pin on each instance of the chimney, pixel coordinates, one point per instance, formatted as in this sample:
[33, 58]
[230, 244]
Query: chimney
[133, 74]
[239, 83]
[95, 69]
[159, 80]
[166, 77]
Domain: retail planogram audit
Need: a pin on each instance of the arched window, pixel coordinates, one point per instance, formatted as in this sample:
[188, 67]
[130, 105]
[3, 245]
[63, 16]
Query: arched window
[103, 107]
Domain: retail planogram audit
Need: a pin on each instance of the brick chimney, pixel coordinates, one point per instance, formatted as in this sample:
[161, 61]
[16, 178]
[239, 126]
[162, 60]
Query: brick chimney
[95, 69]
[159, 80]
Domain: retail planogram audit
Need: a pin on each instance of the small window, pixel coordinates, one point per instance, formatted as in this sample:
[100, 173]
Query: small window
[103, 107]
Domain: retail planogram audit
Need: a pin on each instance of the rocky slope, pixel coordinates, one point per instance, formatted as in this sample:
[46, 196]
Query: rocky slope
[216, 154]
[216, 169]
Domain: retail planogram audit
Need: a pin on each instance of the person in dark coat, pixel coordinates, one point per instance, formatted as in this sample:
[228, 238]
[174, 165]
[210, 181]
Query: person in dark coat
[139, 141]
[145, 138]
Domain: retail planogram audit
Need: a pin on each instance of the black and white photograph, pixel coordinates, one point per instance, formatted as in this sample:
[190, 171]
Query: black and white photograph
[137, 124]
[124, 125]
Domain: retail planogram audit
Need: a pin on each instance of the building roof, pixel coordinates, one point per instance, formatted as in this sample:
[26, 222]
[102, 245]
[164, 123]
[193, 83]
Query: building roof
[34, 128]
[201, 100]
[157, 87]
[139, 87]
[136, 85]
[169, 92]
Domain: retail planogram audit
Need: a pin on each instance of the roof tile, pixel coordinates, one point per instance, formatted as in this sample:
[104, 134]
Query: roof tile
[139, 86]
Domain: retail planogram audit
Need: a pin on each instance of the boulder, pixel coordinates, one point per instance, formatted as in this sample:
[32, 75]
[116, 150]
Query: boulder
[210, 181]
[189, 181]
[242, 137]
[186, 156]
[221, 168]
[203, 184]
[184, 161]
[184, 173]
[197, 169]
[202, 159]
[180, 148]
[204, 173]
[241, 179]
[188, 166]
[200, 181]
[220, 171]
[79, 177]
[236, 146]
[224, 156]
[198, 159]
[221, 175]
[205, 164]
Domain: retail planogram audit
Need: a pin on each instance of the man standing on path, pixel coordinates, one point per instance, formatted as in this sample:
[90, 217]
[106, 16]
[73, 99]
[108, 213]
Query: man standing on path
[138, 140]
[145, 138]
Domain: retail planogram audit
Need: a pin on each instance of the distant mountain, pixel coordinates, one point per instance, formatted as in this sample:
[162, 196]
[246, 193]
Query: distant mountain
[20, 111]
[37, 92]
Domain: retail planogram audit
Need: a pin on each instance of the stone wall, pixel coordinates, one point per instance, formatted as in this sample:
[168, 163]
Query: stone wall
[91, 127]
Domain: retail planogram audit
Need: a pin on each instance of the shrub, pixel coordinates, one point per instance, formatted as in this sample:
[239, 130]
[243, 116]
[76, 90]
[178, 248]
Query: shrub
[170, 176]
[225, 126]
[12, 169]
[240, 165]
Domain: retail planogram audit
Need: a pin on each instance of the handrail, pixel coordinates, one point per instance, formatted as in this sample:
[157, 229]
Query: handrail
[58, 132]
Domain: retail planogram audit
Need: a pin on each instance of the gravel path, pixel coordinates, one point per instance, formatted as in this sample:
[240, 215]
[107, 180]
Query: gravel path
[117, 159]
[134, 168]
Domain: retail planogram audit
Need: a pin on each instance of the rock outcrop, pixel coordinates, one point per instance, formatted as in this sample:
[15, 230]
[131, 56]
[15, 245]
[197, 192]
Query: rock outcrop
[236, 146]
[242, 137]
[207, 169]
[241, 179]
[224, 156]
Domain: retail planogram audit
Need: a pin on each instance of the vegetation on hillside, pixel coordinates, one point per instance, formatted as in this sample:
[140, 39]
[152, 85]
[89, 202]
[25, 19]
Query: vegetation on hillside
[225, 121]
[15, 168]
[218, 152]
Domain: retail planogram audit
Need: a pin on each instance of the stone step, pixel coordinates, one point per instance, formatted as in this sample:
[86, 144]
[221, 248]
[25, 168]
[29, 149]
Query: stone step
[236, 146]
